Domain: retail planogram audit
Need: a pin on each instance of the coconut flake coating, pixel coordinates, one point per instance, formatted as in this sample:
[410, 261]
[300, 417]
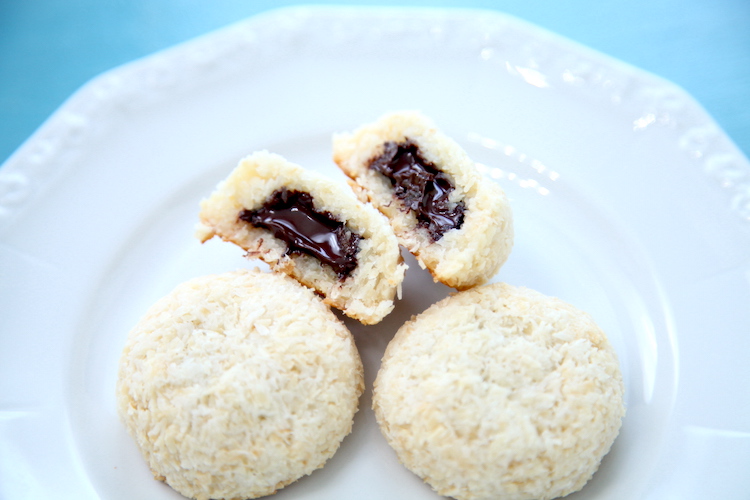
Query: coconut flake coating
[500, 392]
[238, 384]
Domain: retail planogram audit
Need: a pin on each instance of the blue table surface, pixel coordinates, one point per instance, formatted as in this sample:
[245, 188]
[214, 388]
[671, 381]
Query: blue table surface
[50, 48]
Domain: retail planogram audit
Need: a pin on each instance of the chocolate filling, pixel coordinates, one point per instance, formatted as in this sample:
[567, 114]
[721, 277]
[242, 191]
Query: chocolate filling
[291, 217]
[421, 187]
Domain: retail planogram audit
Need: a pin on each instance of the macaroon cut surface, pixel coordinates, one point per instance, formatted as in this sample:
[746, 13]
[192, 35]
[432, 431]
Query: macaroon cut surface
[235, 385]
[500, 392]
[463, 257]
[368, 293]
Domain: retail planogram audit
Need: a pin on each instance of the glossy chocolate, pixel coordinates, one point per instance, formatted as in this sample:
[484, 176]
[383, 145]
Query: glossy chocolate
[291, 217]
[421, 187]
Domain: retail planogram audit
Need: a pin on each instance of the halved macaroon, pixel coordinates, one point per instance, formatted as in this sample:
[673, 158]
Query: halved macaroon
[457, 223]
[311, 228]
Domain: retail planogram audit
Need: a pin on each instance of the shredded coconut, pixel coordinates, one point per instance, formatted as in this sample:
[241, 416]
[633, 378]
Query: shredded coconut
[500, 392]
[235, 385]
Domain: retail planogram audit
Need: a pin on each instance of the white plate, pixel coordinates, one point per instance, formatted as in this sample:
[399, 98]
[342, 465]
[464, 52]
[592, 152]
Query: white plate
[629, 202]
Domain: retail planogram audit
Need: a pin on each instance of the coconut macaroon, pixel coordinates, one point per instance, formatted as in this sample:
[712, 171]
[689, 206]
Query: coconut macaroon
[457, 223]
[236, 385]
[310, 228]
[500, 392]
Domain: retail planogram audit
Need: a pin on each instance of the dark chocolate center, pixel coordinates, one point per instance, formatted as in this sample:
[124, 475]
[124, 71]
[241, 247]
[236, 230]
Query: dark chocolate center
[291, 217]
[421, 187]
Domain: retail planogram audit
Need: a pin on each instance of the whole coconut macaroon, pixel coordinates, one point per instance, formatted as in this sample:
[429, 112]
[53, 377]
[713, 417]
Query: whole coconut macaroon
[235, 385]
[500, 392]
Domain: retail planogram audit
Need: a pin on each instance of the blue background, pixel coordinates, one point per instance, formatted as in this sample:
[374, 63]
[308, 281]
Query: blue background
[49, 48]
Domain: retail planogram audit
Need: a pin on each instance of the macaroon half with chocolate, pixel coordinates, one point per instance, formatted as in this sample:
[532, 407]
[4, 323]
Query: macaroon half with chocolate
[311, 228]
[457, 223]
